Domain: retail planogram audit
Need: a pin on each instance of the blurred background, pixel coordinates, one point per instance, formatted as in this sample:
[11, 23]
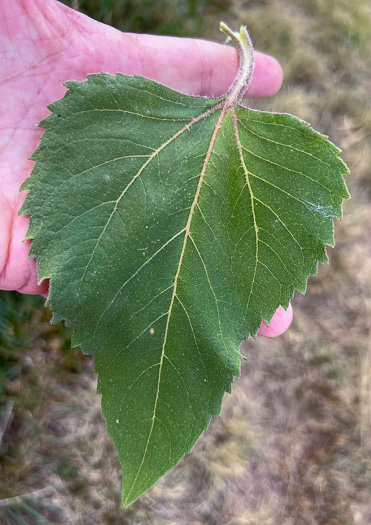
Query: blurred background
[293, 443]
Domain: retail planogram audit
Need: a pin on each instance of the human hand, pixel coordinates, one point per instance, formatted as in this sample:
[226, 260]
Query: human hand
[44, 43]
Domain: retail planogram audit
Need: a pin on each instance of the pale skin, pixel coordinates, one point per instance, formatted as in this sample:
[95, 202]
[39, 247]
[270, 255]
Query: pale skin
[44, 43]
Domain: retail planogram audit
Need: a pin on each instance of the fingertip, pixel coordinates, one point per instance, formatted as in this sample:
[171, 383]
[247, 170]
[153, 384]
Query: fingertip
[45, 288]
[268, 76]
[279, 323]
[195, 67]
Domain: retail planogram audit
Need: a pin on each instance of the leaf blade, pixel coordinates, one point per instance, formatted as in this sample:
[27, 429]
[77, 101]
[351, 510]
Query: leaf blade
[165, 249]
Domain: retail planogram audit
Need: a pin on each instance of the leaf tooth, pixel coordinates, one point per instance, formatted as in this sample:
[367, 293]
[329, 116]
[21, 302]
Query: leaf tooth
[344, 168]
[286, 300]
[100, 78]
[56, 318]
[29, 237]
[32, 254]
[72, 85]
[25, 186]
[75, 341]
[44, 124]
[324, 257]
[300, 285]
[36, 155]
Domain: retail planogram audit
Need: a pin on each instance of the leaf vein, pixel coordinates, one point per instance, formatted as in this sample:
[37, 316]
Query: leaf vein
[235, 120]
[187, 232]
[283, 144]
[136, 273]
[286, 168]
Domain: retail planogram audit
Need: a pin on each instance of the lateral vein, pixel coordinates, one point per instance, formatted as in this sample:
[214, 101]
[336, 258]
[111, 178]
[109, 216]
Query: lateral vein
[150, 158]
[256, 229]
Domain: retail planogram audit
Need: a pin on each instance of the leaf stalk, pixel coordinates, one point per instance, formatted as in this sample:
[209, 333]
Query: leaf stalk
[242, 42]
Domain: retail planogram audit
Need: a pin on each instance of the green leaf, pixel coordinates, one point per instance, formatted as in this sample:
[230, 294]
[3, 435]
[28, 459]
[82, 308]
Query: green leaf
[170, 226]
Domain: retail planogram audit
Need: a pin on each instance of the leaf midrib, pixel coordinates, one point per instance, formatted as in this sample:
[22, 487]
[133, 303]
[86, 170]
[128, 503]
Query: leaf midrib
[174, 294]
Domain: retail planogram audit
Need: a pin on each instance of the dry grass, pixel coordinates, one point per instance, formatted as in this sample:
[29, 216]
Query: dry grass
[293, 444]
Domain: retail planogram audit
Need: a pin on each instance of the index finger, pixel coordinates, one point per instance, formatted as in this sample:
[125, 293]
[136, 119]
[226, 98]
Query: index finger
[198, 67]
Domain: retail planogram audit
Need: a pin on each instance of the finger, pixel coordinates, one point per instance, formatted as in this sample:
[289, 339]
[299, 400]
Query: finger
[198, 67]
[18, 272]
[279, 323]
[195, 67]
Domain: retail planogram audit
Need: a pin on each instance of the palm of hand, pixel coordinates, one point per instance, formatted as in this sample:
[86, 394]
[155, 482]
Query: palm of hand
[43, 44]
